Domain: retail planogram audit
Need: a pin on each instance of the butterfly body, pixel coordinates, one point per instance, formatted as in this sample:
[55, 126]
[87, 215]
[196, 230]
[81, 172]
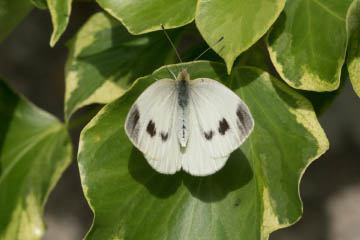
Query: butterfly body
[186, 124]
[182, 86]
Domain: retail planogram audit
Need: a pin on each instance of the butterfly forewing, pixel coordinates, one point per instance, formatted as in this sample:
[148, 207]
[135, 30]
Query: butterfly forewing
[223, 119]
[151, 126]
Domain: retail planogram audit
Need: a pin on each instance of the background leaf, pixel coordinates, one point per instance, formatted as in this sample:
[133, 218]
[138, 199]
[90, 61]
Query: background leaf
[257, 56]
[308, 43]
[34, 151]
[11, 13]
[105, 59]
[241, 23]
[254, 194]
[140, 16]
[353, 61]
[60, 13]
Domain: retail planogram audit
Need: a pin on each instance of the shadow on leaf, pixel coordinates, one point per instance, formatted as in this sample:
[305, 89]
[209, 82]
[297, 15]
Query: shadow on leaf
[235, 174]
[160, 185]
[242, 76]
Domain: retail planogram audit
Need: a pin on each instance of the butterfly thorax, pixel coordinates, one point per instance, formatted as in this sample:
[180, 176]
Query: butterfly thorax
[182, 84]
[183, 88]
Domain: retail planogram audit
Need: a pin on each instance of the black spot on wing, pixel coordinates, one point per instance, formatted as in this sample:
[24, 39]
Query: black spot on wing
[209, 135]
[132, 123]
[223, 126]
[240, 114]
[164, 136]
[136, 117]
[150, 129]
[245, 123]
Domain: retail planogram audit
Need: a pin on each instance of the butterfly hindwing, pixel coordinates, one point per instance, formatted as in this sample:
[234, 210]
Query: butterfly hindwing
[151, 126]
[197, 158]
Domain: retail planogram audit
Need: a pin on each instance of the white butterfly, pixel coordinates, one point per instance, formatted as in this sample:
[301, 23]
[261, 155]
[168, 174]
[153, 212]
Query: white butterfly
[190, 125]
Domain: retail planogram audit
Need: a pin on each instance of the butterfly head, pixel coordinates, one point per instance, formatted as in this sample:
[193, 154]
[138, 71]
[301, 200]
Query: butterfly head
[183, 75]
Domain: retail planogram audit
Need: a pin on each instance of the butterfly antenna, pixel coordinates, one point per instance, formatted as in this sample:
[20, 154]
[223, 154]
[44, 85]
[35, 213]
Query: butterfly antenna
[222, 38]
[171, 73]
[172, 44]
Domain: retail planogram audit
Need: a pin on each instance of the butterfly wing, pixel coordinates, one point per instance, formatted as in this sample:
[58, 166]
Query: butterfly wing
[219, 123]
[151, 126]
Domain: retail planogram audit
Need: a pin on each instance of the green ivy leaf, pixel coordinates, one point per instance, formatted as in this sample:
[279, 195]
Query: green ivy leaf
[257, 56]
[140, 16]
[105, 59]
[34, 151]
[60, 13]
[254, 194]
[11, 14]
[241, 23]
[353, 61]
[308, 42]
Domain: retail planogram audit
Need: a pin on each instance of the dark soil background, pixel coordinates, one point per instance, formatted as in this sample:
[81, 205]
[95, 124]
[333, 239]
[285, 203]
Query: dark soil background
[330, 188]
